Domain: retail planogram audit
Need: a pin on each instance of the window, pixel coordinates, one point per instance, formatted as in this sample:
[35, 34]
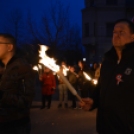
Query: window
[109, 29]
[86, 29]
[111, 2]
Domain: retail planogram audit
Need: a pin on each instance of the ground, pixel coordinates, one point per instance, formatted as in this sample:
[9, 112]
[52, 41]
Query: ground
[62, 121]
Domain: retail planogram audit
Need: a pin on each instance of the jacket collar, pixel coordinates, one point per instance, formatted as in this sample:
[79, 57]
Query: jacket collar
[126, 53]
[11, 60]
[128, 47]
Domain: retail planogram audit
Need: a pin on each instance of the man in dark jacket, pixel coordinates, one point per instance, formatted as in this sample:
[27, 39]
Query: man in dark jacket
[114, 97]
[16, 89]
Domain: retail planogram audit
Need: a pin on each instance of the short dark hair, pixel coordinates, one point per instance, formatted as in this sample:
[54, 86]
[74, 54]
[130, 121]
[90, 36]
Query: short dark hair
[10, 38]
[130, 24]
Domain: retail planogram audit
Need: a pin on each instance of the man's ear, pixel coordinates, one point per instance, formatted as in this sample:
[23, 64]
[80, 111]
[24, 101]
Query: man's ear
[132, 36]
[10, 47]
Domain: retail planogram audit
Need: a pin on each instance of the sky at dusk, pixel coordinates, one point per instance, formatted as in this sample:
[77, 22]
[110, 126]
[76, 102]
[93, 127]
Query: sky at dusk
[38, 7]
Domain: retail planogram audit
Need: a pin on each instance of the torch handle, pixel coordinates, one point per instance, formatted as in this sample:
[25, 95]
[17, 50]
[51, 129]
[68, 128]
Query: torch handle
[70, 87]
[78, 97]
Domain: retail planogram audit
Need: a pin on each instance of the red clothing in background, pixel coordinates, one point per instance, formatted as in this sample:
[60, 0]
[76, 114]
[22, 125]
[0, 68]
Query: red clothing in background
[49, 83]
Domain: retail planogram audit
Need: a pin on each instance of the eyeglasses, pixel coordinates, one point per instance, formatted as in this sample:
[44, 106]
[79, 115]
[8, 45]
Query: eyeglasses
[5, 43]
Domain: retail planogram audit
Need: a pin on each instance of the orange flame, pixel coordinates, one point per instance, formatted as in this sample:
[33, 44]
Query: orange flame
[35, 68]
[94, 81]
[87, 76]
[47, 61]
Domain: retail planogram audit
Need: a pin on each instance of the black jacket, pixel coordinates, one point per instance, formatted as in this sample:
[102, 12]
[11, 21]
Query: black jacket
[115, 96]
[16, 90]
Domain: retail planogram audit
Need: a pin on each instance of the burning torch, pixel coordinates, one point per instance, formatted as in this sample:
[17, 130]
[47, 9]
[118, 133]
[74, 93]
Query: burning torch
[50, 63]
[90, 79]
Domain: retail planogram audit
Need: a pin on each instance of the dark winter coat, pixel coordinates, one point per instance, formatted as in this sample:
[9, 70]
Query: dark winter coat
[16, 90]
[115, 97]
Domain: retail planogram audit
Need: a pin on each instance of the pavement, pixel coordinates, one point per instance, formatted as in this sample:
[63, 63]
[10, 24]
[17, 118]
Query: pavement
[62, 121]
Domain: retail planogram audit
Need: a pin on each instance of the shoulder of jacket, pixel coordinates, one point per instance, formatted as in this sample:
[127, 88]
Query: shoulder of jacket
[21, 63]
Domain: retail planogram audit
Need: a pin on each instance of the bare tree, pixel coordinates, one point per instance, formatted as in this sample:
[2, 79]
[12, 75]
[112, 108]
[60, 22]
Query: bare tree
[32, 29]
[15, 24]
[72, 41]
[56, 30]
[55, 22]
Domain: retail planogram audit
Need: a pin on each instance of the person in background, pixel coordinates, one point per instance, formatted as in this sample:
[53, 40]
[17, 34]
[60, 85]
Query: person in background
[48, 87]
[97, 72]
[16, 89]
[85, 86]
[72, 77]
[63, 90]
[94, 68]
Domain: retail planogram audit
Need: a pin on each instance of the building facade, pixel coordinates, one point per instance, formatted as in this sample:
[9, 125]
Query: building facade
[98, 19]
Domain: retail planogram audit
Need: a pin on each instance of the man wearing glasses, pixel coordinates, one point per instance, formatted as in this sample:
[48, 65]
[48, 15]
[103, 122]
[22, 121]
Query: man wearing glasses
[16, 89]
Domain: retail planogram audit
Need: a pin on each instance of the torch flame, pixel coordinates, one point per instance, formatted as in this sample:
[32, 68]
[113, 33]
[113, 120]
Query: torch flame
[65, 69]
[47, 61]
[40, 67]
[87, 76]
[94, 81]
[35, 68]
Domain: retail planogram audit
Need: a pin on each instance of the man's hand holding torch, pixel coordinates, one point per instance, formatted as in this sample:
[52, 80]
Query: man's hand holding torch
[86, 104]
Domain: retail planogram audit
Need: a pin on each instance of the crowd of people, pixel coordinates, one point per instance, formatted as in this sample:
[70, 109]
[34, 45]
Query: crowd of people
[75, 75]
